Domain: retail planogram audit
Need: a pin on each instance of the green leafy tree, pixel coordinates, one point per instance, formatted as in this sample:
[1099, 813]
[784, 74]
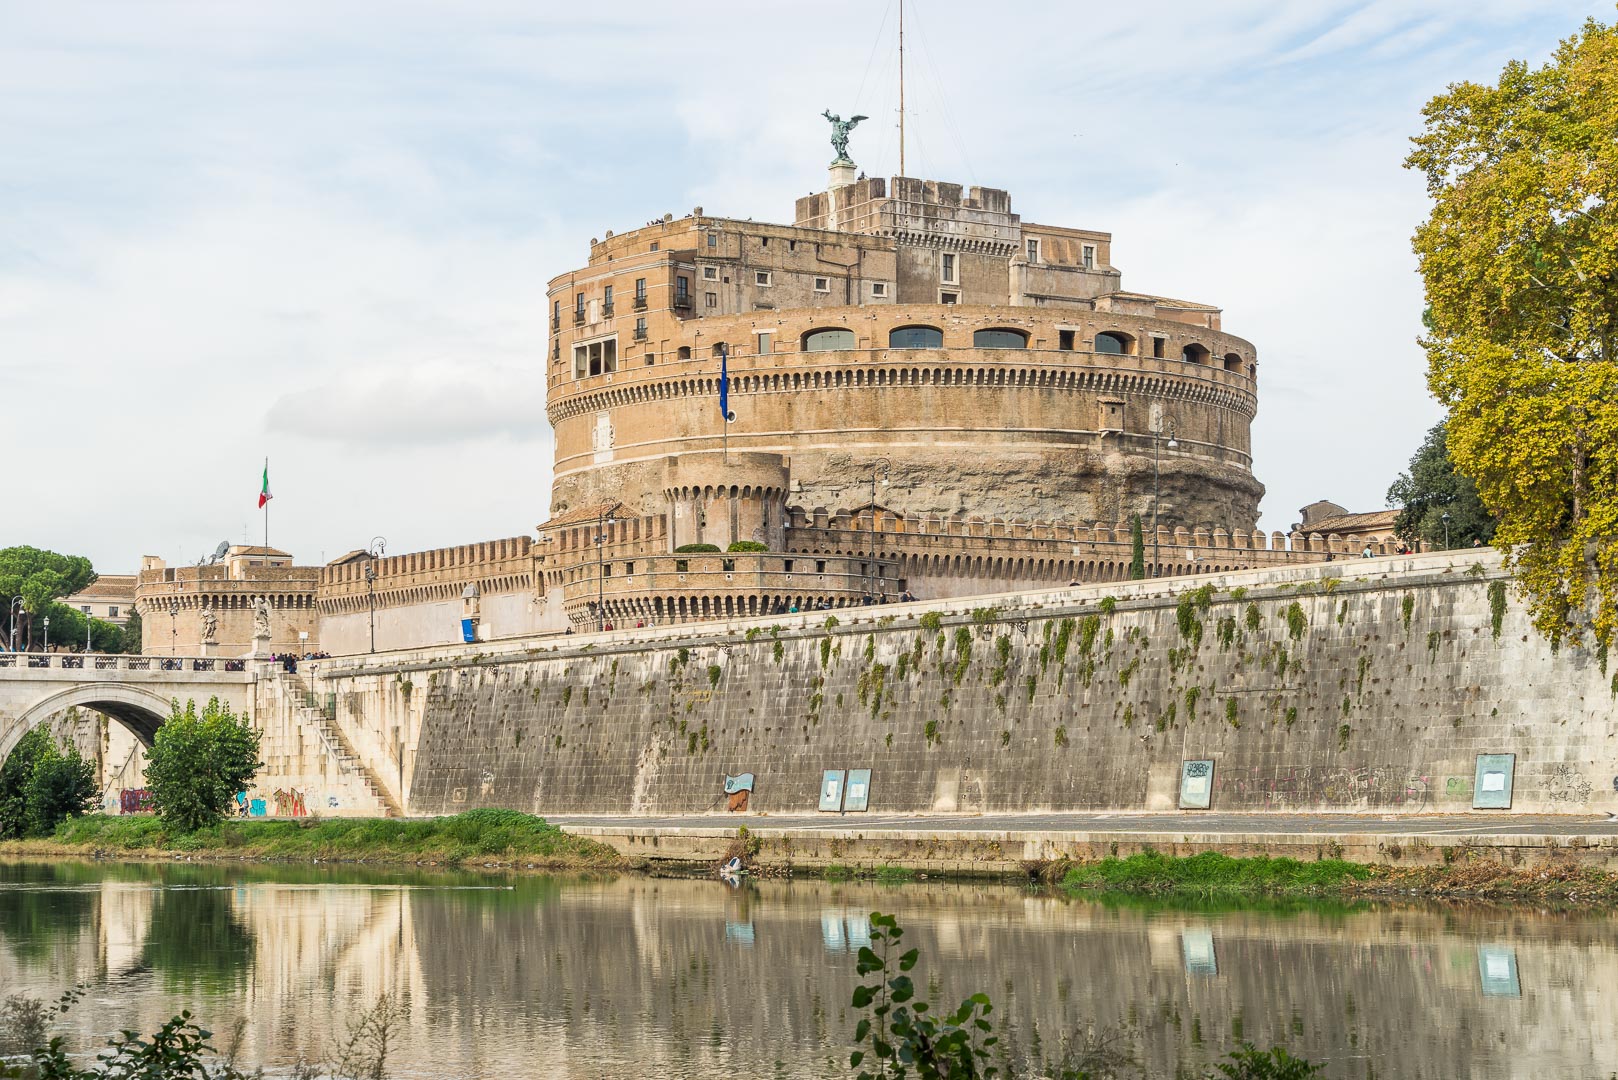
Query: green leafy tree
[131, 632]
[42, 785]
[37, 577]
[1432, 488]
[67, 631]
[1137, 550]
[1519, 257]
[197, 764]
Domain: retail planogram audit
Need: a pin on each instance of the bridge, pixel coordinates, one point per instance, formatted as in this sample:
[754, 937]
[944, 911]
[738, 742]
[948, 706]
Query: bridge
[137, 691]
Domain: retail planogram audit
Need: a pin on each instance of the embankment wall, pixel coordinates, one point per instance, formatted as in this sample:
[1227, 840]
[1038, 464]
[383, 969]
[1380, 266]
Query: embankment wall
[1357, 685]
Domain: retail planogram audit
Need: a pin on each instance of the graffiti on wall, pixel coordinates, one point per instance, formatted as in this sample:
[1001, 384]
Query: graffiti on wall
[1567, 786]
[1367, 785]
[135, 801]
[289, 803]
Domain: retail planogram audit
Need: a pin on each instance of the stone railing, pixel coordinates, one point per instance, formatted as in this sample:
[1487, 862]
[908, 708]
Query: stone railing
[121, 662]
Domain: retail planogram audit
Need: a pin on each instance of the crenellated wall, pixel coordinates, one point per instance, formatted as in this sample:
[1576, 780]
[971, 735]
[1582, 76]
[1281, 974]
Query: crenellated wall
[1361, 685]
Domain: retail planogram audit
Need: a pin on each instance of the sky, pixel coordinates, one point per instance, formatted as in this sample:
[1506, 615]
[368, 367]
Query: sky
[320, 232]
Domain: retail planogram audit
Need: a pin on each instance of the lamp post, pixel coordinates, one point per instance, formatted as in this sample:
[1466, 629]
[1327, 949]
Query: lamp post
[174, 628]
[47, 633]
[16, 604]
[1157, 436]
[1446, 530]
[885, 466]
[378, 546]
[87, 618]
[602, 524]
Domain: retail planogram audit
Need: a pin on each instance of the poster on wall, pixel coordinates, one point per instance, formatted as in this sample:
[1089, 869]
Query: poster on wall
[469, 631]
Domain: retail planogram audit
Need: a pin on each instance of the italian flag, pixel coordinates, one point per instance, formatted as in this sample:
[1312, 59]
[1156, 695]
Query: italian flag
[264, 495]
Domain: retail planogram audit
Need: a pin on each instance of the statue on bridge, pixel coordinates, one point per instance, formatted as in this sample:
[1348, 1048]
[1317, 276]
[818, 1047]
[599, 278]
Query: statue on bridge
[261, 618]
[210, 626]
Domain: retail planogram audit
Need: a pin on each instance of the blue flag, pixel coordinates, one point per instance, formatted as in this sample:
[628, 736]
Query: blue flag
[724, 384]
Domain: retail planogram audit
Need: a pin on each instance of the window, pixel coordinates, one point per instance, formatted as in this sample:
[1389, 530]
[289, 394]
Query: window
[946, 269]
[650, 359]
[578, 303]
[684, 353]
[762, 278]
[112, 612]
[764, 241]
[822, 284]
[710, 273]
[606, 569]
[640, 329]
[1033, 251]
[712, 299]
[786, 566]
[765, 338]
[640, 288]
[598, 357]
[682, 290]
[1113, 344]
[85, 608]
[728, 565]
[713, 240]
[915, 337]
[1194, 354]
[829, 340]
[719, 348]
[606, 297]
[879, 288]
[949, 298]
[999, 339]
[629, 569]
[655, 245]
[1064, 340]
[556, 312]
[1233, 362]
[1088, 258]
[820, 566]
[1158, 345]
[792, 245]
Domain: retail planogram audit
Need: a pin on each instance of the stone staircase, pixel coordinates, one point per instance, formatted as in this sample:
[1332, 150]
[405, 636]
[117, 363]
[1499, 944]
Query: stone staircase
[321, 716]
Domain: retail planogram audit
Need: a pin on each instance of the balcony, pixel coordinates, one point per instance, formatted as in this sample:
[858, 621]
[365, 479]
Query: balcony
[682, 301]
[556, 322]
[640, 303]
[578, 317]
[640, 333]
[606, 311]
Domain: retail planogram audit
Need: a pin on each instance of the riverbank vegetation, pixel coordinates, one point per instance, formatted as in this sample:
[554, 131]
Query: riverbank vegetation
[477, 837]
[41, 784]
[1463, 874]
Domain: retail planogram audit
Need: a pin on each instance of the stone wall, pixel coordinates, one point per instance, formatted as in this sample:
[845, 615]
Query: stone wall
[1362, 685]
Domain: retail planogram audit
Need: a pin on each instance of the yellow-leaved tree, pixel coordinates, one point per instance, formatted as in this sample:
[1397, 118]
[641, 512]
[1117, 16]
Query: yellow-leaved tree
[1520, 262]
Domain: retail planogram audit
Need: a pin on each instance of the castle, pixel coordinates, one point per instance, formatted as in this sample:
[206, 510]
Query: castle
[907, 391]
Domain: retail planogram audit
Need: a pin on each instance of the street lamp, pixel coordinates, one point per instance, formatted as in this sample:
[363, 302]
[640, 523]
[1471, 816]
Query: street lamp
[16, 604]
[378, 546]
[1446, 530]
[1157, 435]
[47, 633]
[602, 524]
[885, 466]
[174, 628]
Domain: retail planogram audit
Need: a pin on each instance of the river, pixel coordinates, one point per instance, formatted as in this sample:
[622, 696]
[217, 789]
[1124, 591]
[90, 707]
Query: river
[518, 976]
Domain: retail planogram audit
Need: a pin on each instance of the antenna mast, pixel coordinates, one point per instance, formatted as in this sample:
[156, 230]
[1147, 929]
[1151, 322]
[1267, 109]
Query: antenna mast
[901, 87]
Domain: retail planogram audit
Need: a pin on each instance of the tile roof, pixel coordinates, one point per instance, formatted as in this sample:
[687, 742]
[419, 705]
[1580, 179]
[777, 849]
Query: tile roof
[1353, 523]
[594, 512]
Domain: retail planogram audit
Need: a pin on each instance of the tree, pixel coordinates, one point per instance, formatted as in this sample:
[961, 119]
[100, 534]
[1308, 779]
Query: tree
[41, 786]
[38, 577]
[67, 631]
[1137, 550]
[1520, 262]
[197, 764]
[131, 632]
[1432, 488]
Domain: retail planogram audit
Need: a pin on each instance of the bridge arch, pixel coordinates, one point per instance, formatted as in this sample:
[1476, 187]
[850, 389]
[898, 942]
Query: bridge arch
[138, 709]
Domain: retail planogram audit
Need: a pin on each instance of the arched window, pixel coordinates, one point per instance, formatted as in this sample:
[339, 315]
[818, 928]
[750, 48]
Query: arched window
[828, 340]
[1194, 354]
[1114, 343]
[719, 347]
[915, 337]
[1233, 362]
[685, 352]
[999, 339]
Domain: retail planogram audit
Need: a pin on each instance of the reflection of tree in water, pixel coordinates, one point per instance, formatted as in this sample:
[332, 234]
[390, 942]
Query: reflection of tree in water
[196, 938]
[41, 906]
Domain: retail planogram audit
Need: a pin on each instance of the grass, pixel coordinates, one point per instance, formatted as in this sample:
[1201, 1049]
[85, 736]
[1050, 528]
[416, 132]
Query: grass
[477, 836]
[1211, 876]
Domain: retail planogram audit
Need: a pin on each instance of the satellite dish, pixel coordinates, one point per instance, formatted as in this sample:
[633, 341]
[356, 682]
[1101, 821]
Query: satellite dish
[221, 551]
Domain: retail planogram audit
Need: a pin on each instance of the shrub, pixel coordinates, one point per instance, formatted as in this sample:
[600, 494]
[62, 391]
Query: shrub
[697, 549]
[749, 546]
[197, 764]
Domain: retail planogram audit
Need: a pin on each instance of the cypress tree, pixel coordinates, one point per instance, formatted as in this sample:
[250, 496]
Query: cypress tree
[1137, 550]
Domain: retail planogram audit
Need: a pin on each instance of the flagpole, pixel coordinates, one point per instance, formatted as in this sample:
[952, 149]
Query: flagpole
[266, 506]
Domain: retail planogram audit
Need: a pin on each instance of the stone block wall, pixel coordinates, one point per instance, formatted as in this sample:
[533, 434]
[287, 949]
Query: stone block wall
[1364, 685]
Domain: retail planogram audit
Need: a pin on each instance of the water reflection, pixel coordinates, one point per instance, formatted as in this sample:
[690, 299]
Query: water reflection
[587, 977]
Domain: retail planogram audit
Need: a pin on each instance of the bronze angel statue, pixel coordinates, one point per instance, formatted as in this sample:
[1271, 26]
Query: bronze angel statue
[839, 132]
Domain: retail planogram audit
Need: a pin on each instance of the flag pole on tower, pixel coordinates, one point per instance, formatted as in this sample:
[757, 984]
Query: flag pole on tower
[264, 498]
